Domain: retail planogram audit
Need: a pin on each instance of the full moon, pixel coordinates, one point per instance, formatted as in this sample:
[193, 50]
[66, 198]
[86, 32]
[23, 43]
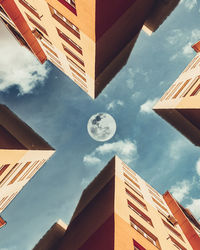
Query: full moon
[101, 127]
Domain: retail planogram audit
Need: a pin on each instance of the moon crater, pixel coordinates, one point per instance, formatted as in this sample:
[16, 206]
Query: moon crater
[101, 127]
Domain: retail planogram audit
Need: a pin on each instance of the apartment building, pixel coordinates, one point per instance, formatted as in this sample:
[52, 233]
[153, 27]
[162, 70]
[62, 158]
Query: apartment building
[180, 104]
[90, 41]
[22, 154]
[119, 210]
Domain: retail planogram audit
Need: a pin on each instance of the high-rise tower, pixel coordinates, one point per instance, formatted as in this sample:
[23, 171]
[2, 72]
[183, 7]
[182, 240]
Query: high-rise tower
[180, 105]
[119, 210]
[89, 40]
[22, 154]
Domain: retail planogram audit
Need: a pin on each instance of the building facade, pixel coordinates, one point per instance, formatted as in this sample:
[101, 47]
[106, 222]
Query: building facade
[90, 41]
[119, 210]
[180, 104]
[52, 237]
[22, 154]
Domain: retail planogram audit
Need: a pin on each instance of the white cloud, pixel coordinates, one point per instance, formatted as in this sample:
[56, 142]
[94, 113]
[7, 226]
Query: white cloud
[195, 208]
[114, 104]
[189, 4]
[148, 105]
[91, 160]
[18, 66]
[181, 189]
[198, 167]
[126, 150]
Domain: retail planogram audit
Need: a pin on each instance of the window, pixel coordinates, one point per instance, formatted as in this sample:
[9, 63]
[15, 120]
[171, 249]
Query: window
[134, 189]
[19, 173]
[70, 41]
[130, 174]
[139, 212]
[176, 86]
[196, 91]
[47, 47]
[3, 168]
[156, 196]
[196, 63]
[131, 180]
[127, 168]
[79, 84]
[73, 55]
[65, 22]
[37, 25]
[9, 174]
[28, 171]
[181, 88]
[70, 4]
[52, 57]
[74, 64]
[5, 204]
[136, 199]
[153, 190]
[29, 7]
[142, 230]
[161, 206]
[137, 246]
[172, 230]
[36, 169]
[56, 64]
[191, 85]
[176, 243]
[190, 64]
[79, 75]
[2, 200]
[79, 81]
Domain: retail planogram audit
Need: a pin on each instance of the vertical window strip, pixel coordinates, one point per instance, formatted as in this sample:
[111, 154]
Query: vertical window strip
[19, 173]
[181, 88]
[196, 91]
[196, 63]
[160, 205]
[36, 169]
[8, 201]
[3, 168]
[191, 85]
[176, 86]
[28, 171]
[148, 235]
[9, 174]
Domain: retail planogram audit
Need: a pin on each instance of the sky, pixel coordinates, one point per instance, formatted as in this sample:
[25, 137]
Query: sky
[58, 110]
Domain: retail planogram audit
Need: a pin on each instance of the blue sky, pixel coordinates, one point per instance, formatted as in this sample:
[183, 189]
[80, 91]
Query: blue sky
[59, 110]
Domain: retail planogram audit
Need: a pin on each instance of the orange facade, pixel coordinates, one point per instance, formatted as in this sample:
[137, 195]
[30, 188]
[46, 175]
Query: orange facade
[90, 41]
[180, 104]
[22, 154]
[119, 210]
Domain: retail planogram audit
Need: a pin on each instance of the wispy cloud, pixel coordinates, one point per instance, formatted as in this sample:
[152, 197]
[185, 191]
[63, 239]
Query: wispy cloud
[181, 189]
[112, 105]
[189, 4]
[177, 148]
[182, 40]
[194, 208]
[18, 66]
[132, 73]
[148, 105]
[125, 149]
